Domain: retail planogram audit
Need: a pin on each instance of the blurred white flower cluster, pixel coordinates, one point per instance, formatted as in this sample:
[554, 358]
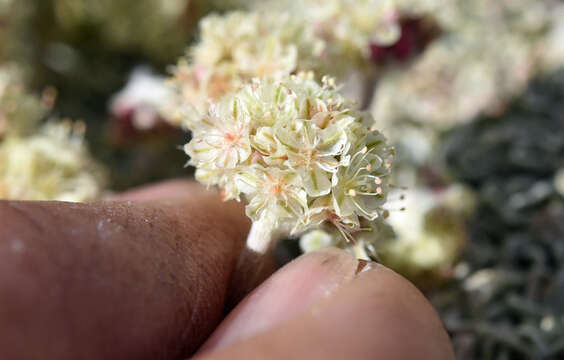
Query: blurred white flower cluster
[349, 26]
[52, 164]
[298, 152]
[430, 233]
[234, 48]
[48, 162]
[487, 54]
[421, 242]
[276, 39]
[140, 105]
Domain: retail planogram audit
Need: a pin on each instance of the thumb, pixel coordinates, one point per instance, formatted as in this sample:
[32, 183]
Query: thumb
[327, 305]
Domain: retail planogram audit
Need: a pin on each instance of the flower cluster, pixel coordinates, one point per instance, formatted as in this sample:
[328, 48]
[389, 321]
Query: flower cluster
[419, 242]
[48, 162]
[455, 81]
[233, 49]
[52, 164]
[487, 54]
[297, 152]
[430, 233]
[138, 107]
[276, 39]
[348, 26]
[351, 26]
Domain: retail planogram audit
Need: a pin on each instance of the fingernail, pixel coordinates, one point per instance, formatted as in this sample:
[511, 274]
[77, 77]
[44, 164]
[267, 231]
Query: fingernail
[290, 291]
[364, 266]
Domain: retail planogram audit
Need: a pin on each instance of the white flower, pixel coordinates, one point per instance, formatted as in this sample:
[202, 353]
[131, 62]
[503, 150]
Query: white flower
[430, 233]
[361, 188]
[315, 240]
[487, 53]
[274, 191]
[143, 98]
[233, 49]
[322, 211]
[222, 140]
[349, 27]
[52, 164]
[314, 153]
[297, 152]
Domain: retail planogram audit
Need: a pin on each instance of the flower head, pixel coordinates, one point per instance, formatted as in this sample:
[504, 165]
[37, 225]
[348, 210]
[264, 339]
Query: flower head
[233, 49]
[355, 24]
[41, 162]
[222, 139]
[465, 73]
[363, 188]
[296, 151]
[349, 27]
[52, 164]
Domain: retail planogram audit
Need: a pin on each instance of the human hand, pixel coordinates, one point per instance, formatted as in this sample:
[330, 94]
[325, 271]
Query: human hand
[148, 276]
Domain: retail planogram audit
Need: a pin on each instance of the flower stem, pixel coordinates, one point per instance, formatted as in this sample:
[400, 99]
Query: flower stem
[262, 234]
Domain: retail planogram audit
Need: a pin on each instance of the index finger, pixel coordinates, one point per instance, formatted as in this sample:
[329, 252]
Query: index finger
[119, 279]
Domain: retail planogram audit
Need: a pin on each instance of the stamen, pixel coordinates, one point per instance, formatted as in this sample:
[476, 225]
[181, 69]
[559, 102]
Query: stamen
[366, 152]
[363, 193]
[369, 216]
[345, 234]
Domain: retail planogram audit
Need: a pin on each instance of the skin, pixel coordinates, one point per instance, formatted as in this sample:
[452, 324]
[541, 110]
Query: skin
[150, 274]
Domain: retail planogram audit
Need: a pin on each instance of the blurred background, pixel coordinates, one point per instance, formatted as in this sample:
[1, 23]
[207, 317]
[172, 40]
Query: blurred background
[470, 92]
